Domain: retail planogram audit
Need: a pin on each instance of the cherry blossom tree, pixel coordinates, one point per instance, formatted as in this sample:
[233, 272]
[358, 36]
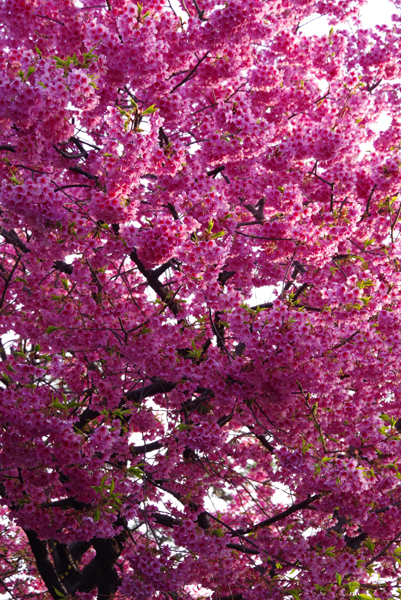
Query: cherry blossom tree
[164, 434]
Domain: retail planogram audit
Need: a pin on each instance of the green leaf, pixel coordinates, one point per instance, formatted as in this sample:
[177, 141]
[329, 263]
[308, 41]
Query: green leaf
[217, 532]
[57, 404]
[183, 427]
[339, 578]
[150, 110]
[370, 545]
[30, 71]
[353, 586]
[136, 472]
[52, 328]
[112, 486]
[217, 235]
[6, 378]
[294, 593]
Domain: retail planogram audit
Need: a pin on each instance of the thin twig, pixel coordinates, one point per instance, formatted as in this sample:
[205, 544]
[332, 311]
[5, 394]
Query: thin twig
[368, 203]
[190, 74]
[285, 513]
[7, 284]
[313, 411]
[219, 338]
[50, 19]
[7, 589]
[260, 237]
[382, 552]
[395, 223]
[339, 268]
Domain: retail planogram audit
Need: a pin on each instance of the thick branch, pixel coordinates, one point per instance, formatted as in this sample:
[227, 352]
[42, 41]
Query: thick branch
[84, 173]
[146, 448]
[244, 549]
[155, 284]
[62, 266]
[216, 171]
[107, 553]
[165, 520]
[65, 566]
[46, 570]
[12, 238]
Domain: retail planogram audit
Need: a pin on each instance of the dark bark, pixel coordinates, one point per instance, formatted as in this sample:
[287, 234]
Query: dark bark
[107, 554]
[245, 549]
[216, 171]
[152, 278]
[84, 173]
[62, 266]
[65, 565]
[44, 565]
[63, 576]
[165, 520]
[136, 450]
[282, 515]
[224, 276]
[78, 549]
[12, 238]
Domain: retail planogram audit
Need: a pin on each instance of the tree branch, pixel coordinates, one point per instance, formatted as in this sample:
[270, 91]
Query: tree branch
[12, 238]
[107, 553]
[136, 450]
[241, 548]
[283, 515]
[153, 281]
[190, 74]
[46, 570]
[84, 173]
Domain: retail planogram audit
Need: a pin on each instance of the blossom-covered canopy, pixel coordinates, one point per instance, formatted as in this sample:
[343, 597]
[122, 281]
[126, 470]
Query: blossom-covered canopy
[200, 301]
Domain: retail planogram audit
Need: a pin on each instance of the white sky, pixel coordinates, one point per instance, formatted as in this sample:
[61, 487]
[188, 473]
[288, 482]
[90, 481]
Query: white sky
[375, 12]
